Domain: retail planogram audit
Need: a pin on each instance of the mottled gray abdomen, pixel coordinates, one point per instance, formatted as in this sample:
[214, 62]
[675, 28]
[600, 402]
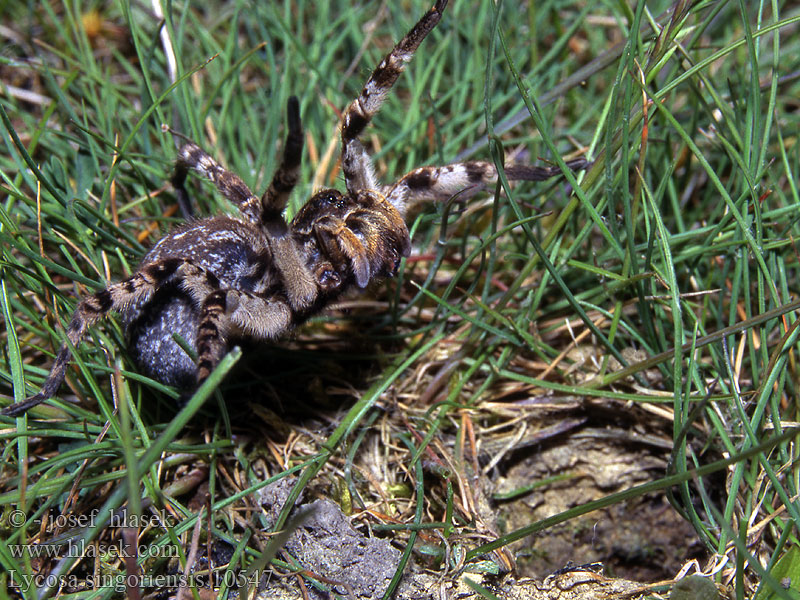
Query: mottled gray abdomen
[150, 336]
[234, 256]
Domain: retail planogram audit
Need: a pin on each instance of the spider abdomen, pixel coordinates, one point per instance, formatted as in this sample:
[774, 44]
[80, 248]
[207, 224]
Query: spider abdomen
[230, 254]
[151, 342]
[235, 252]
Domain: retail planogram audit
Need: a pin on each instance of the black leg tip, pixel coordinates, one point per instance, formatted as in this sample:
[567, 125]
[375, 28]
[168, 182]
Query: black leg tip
[20, 408]
[293, 114]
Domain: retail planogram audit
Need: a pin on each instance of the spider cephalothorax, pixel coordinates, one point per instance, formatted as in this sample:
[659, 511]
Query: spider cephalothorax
[357, 236]
[256, 276]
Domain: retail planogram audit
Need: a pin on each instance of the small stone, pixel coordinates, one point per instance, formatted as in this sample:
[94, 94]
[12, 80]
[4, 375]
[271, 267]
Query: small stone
[694, 587]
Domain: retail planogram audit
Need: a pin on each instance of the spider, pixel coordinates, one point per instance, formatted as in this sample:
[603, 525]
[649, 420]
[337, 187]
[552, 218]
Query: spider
[223, 278]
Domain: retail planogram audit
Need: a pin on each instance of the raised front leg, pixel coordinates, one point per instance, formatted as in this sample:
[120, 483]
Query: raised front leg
[357, 166]
[276, 197]
[301, 285]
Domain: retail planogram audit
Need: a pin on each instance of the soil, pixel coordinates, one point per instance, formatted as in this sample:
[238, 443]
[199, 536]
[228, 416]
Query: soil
[615, 552]
[644, 539]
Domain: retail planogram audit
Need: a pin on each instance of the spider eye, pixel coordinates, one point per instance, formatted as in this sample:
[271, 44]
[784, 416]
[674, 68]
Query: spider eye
[334, 199]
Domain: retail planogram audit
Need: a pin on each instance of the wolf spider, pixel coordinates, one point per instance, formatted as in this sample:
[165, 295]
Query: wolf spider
[256, 276]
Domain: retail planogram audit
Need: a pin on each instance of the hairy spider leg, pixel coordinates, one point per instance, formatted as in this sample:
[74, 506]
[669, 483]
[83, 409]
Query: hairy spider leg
[301, 284]
[211, 344]
[266, 212]
[230, 185]
[424, 184]
[276, 197]
[260, 316]
[356, 163]
[438, 184]
[256, 210]
[137, 289]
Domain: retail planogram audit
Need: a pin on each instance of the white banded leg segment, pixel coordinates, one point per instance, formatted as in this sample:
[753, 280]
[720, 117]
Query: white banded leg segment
[438, 184]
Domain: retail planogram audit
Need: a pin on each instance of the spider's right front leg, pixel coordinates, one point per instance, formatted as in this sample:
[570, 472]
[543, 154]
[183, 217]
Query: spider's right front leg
[300, 283]
[276, 197]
